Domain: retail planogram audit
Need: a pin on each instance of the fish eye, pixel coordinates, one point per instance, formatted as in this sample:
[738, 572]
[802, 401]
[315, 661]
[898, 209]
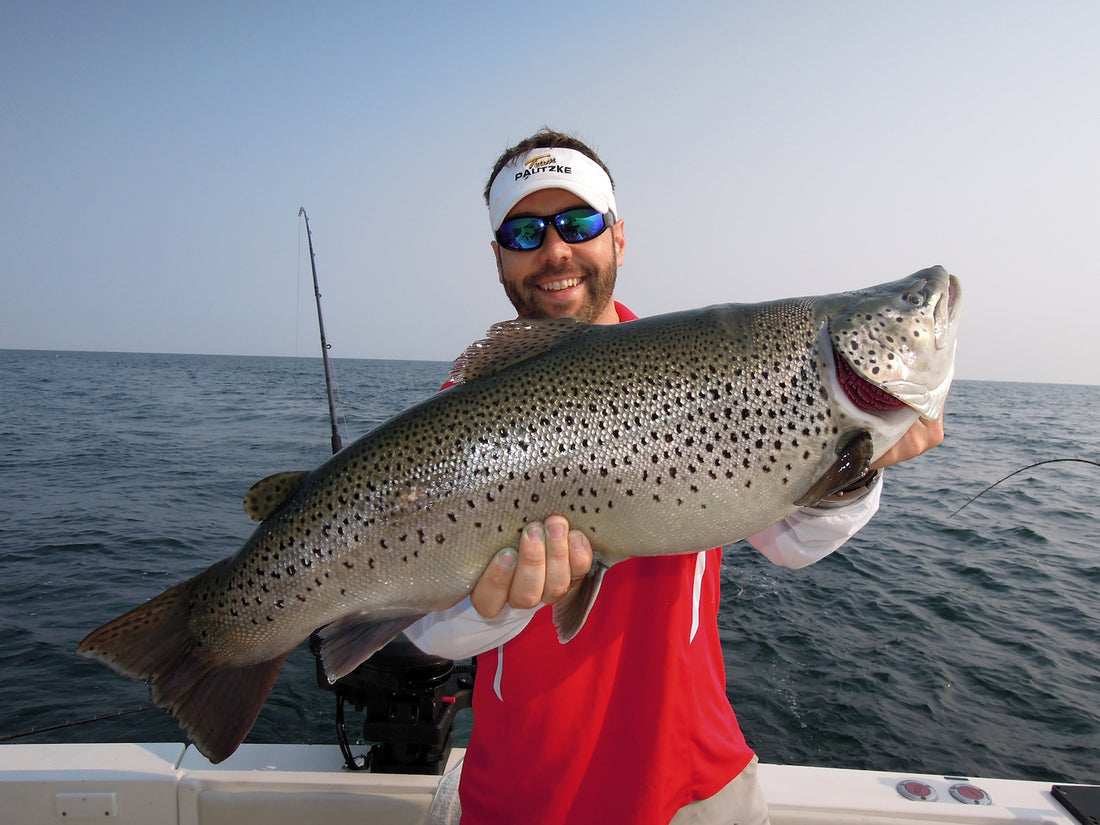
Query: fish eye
[915, 298]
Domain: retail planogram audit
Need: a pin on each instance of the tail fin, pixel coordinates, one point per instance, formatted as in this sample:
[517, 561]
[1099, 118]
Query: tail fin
[214, 702]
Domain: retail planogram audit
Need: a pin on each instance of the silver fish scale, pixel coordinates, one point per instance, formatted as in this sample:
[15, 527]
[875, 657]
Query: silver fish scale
[629, 438]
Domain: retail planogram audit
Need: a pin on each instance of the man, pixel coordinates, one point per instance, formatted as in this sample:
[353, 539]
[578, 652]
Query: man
[628, 722]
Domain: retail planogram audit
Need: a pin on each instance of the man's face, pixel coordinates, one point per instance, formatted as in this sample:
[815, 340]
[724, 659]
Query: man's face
[559, 279]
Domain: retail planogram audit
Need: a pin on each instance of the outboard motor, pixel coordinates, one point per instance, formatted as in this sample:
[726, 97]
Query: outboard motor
[411, 699]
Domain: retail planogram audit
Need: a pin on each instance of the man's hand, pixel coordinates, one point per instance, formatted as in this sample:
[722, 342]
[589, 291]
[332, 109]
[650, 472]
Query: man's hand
[921, 437]
[550, 559]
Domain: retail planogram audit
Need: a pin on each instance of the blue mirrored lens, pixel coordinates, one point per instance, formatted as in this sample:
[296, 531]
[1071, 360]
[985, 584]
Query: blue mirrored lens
[522, 233]
[578, 225]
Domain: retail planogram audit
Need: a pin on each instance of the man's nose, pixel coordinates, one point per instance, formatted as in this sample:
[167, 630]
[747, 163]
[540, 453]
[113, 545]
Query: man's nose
[553, 246]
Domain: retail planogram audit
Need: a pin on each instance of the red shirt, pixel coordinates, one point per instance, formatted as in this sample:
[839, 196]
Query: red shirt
[627, 723]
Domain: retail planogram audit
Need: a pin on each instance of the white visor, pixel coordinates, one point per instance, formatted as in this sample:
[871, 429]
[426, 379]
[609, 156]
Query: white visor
[550, 169]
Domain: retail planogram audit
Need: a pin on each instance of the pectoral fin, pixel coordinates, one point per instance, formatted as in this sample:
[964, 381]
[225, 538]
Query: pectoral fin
[854, 453]
[571, 611]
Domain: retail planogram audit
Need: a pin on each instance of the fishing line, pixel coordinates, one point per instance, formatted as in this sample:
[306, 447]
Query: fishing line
[1022, 469]
[33, 731]
[336, 445]
[297, 295]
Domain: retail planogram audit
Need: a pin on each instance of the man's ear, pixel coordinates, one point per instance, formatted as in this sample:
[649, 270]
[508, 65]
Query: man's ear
[500, 266]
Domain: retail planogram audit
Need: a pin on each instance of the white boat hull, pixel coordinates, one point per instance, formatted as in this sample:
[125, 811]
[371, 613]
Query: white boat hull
[170, 784]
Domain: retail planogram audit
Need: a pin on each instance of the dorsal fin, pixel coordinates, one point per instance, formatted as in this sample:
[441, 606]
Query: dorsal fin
[269, 494]
[512, 342]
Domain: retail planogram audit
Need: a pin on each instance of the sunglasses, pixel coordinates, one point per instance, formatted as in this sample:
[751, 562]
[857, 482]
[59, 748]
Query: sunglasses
[573, 225]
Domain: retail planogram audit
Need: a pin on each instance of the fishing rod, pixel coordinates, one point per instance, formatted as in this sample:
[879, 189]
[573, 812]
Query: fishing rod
[336, 443]
[410, 697]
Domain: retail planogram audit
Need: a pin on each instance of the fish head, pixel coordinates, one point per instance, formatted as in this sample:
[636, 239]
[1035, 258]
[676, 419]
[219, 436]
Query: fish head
[898, 341]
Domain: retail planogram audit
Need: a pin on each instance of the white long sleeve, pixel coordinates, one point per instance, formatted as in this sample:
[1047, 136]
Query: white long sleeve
[461, 632]
[812, 533]
[800, 539]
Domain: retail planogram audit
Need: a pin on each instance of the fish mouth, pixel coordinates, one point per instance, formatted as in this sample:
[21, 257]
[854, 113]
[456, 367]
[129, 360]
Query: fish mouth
[860, 391]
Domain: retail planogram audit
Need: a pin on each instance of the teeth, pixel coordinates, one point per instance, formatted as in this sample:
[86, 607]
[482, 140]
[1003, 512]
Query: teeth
[558, 286]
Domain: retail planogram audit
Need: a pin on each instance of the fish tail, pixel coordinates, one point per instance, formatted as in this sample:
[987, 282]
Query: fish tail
[215, 703]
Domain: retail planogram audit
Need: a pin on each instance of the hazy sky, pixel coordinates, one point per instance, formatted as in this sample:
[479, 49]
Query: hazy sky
[153, 160]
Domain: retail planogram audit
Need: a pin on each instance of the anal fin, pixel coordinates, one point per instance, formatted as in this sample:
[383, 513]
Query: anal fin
[348, 642]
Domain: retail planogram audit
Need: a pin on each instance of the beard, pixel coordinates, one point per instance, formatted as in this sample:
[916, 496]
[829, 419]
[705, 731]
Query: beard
[598, 284]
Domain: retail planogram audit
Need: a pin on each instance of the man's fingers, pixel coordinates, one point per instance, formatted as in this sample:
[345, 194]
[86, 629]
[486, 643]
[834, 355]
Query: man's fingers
[580, 556]
[530, 577]
[549, 560]
[558, 569]
[490, 594]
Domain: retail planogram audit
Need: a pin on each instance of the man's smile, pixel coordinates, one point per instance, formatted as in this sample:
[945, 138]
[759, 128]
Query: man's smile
[558, 286]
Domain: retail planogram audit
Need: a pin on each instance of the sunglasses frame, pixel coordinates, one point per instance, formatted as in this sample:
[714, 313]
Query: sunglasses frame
[552, 220]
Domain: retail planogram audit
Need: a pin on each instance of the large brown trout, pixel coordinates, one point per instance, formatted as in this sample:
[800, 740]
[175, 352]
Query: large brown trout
[670, 434]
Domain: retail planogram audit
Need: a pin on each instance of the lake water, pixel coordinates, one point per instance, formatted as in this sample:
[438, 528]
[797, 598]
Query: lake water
[950, 644]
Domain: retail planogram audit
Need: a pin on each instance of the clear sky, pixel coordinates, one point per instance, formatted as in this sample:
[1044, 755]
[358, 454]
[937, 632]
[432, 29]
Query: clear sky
[153, 159]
